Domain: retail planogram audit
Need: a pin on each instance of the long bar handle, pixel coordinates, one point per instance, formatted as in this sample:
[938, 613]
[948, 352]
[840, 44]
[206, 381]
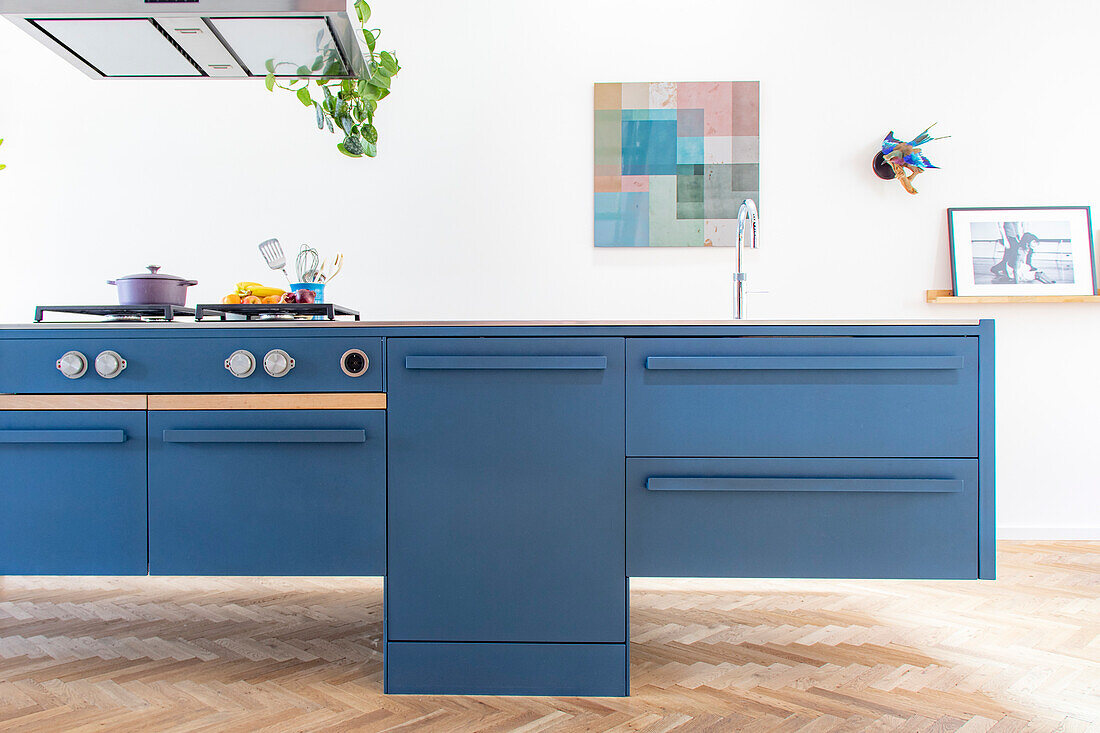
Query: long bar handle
[789, 484]
[506, 362]
[816, 363]
[62, 436]
[264, 436]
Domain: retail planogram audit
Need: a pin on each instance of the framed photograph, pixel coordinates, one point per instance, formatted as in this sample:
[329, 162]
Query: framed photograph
[1027, 250]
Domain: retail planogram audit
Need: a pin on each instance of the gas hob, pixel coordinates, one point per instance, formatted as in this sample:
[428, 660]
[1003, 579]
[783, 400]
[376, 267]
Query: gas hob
[291, 313]
[120, 313]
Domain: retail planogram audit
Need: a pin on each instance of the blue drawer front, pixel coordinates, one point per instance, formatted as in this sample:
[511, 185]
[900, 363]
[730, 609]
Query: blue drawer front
[860, 397]
[267, 492]
[185, 362]
[73, 496]
[802, 518]
[506, 505]
[424, 668]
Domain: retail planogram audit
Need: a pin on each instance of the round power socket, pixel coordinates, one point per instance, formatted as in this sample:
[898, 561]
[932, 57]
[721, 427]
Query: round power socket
[354, 363]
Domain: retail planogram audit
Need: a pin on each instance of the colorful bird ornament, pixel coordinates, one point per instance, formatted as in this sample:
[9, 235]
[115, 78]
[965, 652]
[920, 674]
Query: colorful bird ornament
[906, 159]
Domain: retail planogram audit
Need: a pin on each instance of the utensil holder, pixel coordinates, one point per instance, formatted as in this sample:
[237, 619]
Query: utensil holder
[317, 288]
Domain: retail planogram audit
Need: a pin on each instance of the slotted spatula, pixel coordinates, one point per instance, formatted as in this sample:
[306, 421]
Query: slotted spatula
[274, 257]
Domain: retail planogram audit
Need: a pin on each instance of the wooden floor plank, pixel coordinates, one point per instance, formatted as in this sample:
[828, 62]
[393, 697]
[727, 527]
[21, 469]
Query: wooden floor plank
[299, 654]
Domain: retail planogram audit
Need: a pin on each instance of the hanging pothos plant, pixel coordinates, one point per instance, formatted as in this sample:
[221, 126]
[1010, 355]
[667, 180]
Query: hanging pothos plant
[2, 166]
[348, 104]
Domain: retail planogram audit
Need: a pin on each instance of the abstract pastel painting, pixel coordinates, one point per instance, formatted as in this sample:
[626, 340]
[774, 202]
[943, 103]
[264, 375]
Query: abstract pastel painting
[674, 161]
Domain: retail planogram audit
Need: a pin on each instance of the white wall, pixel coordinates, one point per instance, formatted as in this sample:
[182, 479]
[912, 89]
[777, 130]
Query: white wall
[480, 205]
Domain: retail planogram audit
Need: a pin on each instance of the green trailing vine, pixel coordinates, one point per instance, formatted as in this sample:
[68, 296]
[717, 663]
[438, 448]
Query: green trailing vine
[348, 104]
[2, 166]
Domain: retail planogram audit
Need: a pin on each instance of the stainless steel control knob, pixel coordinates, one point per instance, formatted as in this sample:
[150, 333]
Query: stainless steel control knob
[278, 363]
[241, 363]
[109, 364]
[72, 364]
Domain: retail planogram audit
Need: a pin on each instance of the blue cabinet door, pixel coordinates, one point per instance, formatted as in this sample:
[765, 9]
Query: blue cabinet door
[506, 494]
[267, 492]
[838, 396]
[72, 493]
[802, 517]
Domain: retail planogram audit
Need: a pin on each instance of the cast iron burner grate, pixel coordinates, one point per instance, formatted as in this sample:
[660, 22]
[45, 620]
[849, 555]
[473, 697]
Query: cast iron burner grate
[135, 313]
[252, 311]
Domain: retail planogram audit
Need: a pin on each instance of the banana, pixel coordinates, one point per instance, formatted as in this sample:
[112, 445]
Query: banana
[265, 292]
[261, 291]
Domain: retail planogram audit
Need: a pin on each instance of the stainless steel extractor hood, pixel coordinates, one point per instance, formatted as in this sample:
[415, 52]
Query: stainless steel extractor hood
[174, 39]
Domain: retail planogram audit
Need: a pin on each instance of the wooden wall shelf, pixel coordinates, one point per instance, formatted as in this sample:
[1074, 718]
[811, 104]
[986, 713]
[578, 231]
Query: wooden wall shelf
[945, 296]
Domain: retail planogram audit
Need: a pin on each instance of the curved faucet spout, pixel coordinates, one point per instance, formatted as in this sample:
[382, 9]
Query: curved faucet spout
[747, 218]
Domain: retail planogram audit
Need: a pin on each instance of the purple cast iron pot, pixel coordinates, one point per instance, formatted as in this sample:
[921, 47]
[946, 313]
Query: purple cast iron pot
[152, 288]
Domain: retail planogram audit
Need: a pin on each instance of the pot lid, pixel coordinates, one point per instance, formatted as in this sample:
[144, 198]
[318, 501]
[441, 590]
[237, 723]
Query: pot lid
[153, 274]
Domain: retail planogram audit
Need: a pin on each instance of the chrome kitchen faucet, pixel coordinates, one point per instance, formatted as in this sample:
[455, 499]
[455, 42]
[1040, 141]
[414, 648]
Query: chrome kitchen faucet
[747, 218]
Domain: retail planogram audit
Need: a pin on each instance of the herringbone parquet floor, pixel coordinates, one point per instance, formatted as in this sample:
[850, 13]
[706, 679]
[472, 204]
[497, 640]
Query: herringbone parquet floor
[293, 654]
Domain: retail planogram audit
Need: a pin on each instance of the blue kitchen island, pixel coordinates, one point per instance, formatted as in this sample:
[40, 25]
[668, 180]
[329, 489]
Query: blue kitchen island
[507, 478]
